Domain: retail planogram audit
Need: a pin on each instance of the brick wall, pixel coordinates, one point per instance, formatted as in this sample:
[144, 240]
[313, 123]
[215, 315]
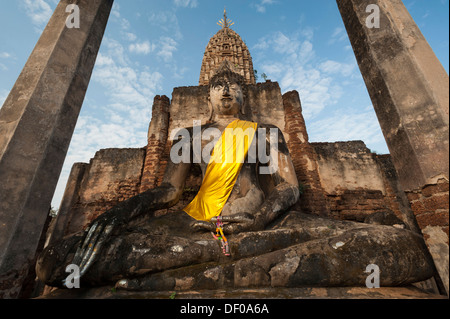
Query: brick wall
[112, 176]
[358, 183]
[395, 197]
[430, 205]
[356, 204]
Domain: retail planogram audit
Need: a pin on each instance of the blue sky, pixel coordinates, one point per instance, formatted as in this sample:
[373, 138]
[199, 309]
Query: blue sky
[152, 46]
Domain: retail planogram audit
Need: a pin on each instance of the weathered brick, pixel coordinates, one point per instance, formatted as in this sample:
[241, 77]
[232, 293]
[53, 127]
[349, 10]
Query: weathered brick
[418, 208]
[433, 219]
[434, 203]
[313, 199]
[431, 190]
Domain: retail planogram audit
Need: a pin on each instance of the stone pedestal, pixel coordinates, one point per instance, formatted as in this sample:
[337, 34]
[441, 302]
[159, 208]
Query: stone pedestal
[37, 121]
[108, 292]
[409, 89]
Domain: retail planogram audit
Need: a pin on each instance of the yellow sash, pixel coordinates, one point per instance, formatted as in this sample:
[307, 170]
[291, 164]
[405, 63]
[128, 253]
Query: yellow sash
[223, 169]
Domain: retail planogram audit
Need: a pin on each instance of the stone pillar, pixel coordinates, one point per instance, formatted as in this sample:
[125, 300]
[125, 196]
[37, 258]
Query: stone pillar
[313, 199]
[157, 140]
[36, 125]
[409, 89]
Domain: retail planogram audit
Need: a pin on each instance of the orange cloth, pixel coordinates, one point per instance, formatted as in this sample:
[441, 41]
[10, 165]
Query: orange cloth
[223, 169]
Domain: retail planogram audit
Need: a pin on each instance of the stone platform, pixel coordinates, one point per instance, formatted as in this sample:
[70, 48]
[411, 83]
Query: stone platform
[109, 292]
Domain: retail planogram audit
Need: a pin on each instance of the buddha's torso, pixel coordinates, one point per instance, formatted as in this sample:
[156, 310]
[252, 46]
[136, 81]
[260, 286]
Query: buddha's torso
[246, 196]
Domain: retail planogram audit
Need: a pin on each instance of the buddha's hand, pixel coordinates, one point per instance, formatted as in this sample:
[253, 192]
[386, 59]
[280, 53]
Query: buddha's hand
[96, 234]
[233, 224]
[202, 226]
[241, 222]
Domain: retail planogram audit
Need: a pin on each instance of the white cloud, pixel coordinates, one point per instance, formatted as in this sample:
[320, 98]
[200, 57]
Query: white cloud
[125, 90]
[103, 60]
[5, 55]
[346, 126]
[116, 16]
[292, 67]
[164, 48]
[115, 10]
[167, 47]
[323, 85]
[294, 64]
[186, 3]
[115, 51]
[38, 10]
[260, 8]
[261, 5]
[141, 48]
[339, 35]
[333, 67]
[123, 121]
[130, 36]
[262, 45]
[167, 21]
[130, 88]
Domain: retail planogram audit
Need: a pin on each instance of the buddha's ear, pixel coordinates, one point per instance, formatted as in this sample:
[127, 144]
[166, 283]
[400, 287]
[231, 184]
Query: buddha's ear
[244, 99]
[243, 107]
[211, 110]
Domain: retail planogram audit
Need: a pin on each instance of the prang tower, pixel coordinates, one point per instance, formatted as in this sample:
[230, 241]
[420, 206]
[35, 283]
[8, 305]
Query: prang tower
[227, 45]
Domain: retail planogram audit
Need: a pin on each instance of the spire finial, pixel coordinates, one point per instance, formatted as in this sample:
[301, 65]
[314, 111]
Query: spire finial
[225, 15]
[225, 23]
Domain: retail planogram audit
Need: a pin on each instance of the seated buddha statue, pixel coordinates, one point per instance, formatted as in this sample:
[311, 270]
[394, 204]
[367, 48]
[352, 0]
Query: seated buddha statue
[232, 234]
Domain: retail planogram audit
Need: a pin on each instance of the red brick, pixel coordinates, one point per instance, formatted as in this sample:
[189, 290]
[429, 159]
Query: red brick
[436, 202]
[433, 219]
[431, 190]
[418, 208]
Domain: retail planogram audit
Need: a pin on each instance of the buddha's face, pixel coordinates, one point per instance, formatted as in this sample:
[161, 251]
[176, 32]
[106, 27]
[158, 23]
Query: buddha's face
[226, 97]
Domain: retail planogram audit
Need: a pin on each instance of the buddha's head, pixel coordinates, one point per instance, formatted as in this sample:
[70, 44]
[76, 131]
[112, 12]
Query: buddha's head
[226, 92]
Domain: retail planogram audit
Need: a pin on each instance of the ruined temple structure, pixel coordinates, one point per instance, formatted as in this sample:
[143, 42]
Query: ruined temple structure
[341, 180]
[227, 45]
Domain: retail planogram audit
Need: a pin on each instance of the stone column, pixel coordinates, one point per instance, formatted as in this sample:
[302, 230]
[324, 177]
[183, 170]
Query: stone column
[157, 140]
[313, 199]
[37, 121]
[409, 89]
